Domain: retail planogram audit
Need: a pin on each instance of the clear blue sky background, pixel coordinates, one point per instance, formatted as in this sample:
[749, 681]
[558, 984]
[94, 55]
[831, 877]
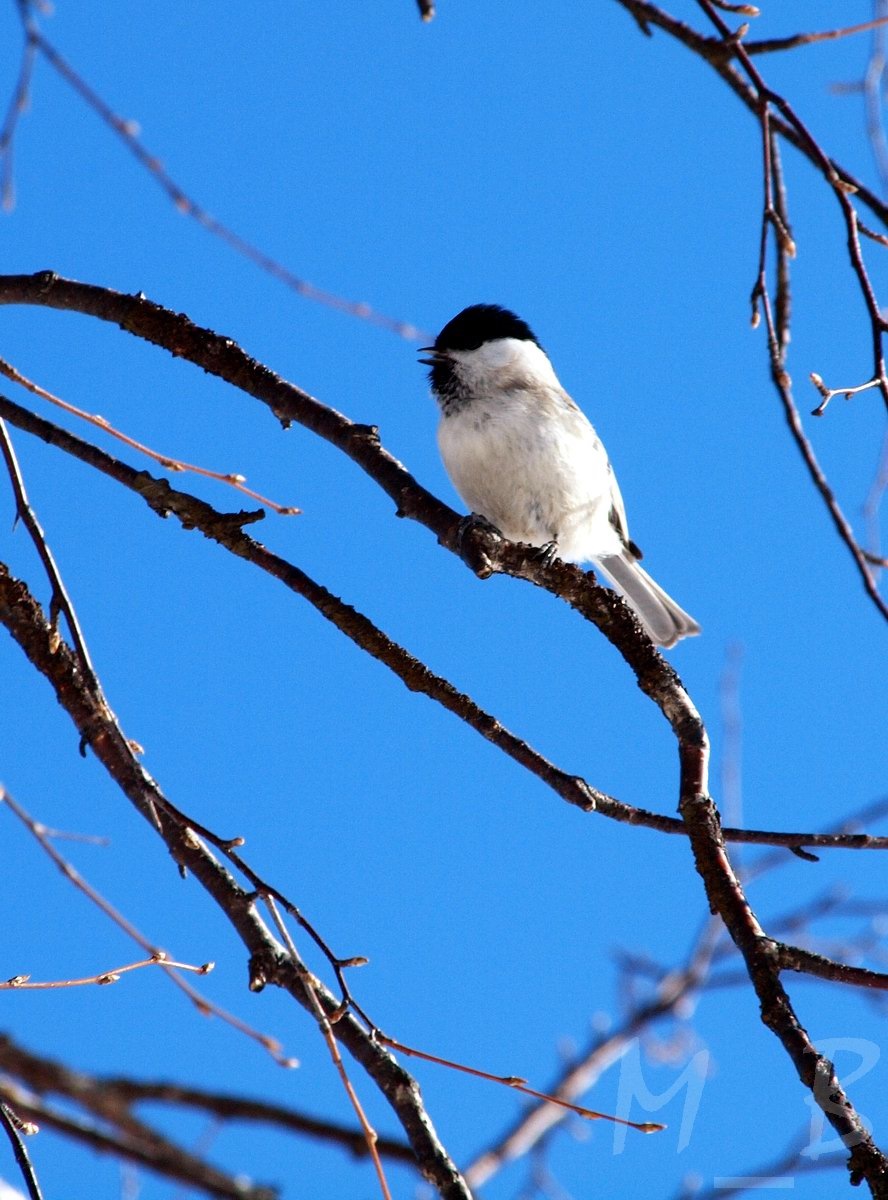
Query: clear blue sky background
[607, 187]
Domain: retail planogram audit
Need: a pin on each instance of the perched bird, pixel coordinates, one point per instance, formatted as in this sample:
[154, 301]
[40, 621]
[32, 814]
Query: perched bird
[525, 458]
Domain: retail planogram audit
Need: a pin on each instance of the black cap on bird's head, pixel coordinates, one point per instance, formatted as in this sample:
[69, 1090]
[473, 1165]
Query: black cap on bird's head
[469, 330]
[480, 323]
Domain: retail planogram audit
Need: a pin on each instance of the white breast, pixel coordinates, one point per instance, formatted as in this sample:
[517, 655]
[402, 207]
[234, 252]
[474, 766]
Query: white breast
[524, 456]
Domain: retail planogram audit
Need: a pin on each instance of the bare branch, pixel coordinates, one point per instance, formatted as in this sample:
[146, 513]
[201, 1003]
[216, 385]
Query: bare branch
[224, 528]
[828, 393]
[769, 45]
[110, 1097]
[269, 963]
[60, 601]
[793, 958]
[12, 1125]
[763, 965]
[759, 98]
[138, 1143]
[232, 479]
[655, 677]
[21, 983]
[204, 1006]
[325, 1024]
[778, 335]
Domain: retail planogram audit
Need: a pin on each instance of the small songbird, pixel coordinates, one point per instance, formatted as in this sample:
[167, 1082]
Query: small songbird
[526, 459]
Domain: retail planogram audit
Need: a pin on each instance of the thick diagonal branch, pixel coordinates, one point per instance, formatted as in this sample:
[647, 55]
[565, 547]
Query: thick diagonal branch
[269, 964]
[226, 529]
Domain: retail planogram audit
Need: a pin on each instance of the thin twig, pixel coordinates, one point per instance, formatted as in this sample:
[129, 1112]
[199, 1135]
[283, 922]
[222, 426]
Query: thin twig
[12, 1124]
[171, 464]
[519, 1085]
[60, 601]
[23, 983]
[204, 1006]
[828, 393]
[743, 10]
[370, 1135]
[769, 45]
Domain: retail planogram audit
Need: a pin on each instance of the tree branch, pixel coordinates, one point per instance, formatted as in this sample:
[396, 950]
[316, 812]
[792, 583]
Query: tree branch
[226, 530]
[141, 1144]
[12, 1125]
[110, 1097]
[654, 675]
[269, 963]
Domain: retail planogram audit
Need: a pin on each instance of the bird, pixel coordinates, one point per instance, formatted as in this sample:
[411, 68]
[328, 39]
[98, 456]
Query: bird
[527, 460]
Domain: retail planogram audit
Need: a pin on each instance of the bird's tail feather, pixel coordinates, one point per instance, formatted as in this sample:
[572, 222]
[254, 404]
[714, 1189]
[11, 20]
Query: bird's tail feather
[662, 618]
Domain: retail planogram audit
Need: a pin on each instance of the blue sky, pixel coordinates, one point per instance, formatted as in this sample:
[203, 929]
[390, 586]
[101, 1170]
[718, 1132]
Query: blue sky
[607, 187]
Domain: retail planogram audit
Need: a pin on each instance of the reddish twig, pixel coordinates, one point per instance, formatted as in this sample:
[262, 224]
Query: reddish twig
[21, 983]
[235, 481]
[324, 1024]
[519, 1085]
[204, 1006]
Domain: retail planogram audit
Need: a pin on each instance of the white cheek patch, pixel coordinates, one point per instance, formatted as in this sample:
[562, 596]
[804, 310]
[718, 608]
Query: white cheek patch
[505, 363]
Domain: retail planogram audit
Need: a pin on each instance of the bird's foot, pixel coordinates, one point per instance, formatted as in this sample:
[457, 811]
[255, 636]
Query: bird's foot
[544, 555]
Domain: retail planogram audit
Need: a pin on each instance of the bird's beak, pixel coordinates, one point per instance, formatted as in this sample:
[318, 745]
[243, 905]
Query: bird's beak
[435, 356]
